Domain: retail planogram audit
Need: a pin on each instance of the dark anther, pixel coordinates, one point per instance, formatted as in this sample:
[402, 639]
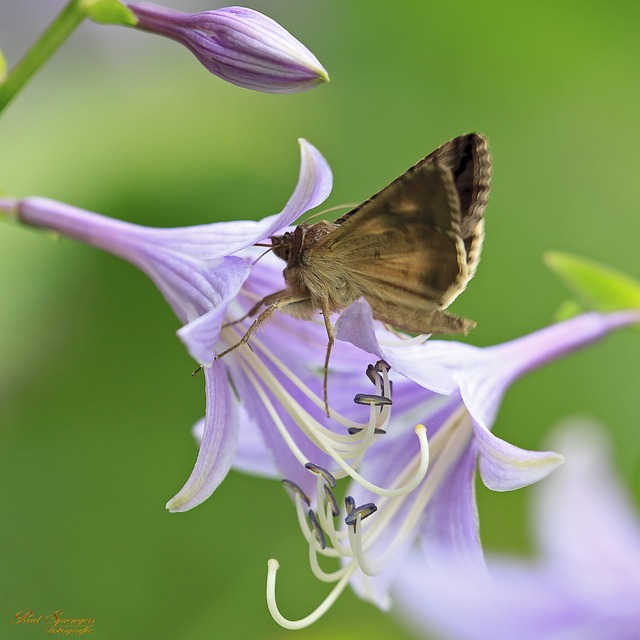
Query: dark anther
[294, 488]
[353, 430]
[364, 512]
[373, 375]
[382, 366]
[331, 499]
[195, 372]
[349, 504]
[314, 468]
[317, 528]
[367, 398]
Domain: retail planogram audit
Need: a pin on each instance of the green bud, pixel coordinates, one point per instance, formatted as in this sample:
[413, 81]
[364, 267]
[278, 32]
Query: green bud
[108, 12]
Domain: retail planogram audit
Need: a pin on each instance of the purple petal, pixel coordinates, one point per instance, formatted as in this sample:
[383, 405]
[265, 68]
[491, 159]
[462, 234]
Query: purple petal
[190, 284]
[505, 467]
[252, 457]
[585, 587]
[450, 524]
[200, 335]
[355, 325]
[218, 443]
[486, 379]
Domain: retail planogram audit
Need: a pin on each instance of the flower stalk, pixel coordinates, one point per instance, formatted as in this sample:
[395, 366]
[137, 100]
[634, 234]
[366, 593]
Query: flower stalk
[55, 35]
[66, 22]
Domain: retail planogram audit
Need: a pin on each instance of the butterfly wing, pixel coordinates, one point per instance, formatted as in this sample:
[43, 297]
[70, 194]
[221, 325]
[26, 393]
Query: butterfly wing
[412, 247]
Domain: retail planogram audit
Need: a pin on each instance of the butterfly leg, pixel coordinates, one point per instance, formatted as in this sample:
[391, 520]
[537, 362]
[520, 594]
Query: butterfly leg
[275, 301]
[267, 300]
[331, 336]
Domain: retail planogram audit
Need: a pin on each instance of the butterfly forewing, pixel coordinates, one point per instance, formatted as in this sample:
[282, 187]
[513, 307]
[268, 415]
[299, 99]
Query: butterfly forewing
[412, 247]
[405, 242]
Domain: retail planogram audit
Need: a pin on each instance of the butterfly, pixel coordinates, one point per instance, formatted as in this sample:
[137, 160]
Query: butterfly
[409, 250]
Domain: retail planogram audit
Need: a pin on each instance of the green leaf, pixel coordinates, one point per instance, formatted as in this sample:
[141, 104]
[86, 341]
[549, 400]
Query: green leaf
[108, 12]
[596, 285]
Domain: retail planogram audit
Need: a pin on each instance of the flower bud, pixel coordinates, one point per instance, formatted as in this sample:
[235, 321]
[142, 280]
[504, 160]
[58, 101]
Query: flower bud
[239, 45]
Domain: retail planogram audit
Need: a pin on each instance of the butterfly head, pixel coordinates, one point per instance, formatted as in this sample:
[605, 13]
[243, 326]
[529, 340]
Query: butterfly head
[281, 245]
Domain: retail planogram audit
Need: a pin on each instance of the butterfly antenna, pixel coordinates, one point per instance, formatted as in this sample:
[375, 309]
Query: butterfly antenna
[262, 255]
[325, 211]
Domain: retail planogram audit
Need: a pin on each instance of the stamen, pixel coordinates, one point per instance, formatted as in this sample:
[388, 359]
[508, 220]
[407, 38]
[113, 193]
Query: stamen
[294, 488]
[317, 570]
[273, 414]
[355, 542]
[318, 470]
[367, 398]
[331, 499]
[328, 602]
[419, 475]
[317, 528]
[374, 376]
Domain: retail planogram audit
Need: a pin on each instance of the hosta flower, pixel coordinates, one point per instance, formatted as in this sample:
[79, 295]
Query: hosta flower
[585, 584]
[239, 45]
[265, 411]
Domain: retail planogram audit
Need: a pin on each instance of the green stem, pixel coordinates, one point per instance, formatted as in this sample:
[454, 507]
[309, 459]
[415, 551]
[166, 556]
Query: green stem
[59, 30]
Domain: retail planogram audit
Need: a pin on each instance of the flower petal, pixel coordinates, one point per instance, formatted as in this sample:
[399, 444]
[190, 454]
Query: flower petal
[218, 442]
[505, 467]
[495, 368]
[201, 335]
[450, 525]
[356, 325]
[252, 456]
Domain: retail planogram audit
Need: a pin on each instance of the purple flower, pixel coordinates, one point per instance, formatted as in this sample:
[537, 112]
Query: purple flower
[238, 45]
[428, 492]
[265, 411]
[585, 585]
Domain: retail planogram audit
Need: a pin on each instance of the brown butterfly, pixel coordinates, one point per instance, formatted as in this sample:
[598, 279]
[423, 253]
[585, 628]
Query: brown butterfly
[409, 250]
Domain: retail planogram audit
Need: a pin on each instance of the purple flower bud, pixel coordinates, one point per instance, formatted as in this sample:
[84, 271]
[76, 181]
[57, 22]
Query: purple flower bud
[239, 45]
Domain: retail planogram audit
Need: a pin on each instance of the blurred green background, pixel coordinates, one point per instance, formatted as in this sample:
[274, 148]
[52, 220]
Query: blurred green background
[96, 400]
